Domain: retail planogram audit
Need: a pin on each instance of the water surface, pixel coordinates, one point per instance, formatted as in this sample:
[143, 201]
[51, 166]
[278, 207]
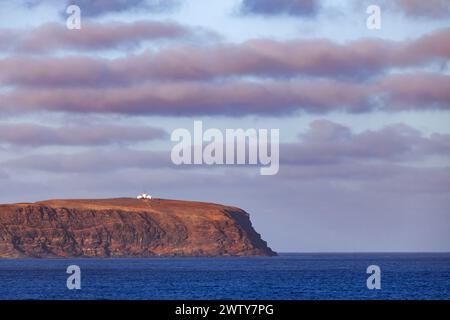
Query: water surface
[288, 276]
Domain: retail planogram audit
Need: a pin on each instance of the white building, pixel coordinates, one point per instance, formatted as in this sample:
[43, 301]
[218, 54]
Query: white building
[144, 196]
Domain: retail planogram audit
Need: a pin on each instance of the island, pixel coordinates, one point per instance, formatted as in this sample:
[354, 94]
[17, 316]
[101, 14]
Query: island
[126, 227]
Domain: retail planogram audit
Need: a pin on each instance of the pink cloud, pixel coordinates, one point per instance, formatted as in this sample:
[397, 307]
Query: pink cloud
[416, 91]
[392, 93]
[98, 36]
[263, 58]
[193, 98]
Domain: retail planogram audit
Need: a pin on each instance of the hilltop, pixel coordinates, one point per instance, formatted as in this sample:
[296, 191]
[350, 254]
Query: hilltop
[126, 227]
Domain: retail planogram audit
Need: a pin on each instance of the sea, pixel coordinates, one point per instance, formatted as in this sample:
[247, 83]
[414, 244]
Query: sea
[289, 276]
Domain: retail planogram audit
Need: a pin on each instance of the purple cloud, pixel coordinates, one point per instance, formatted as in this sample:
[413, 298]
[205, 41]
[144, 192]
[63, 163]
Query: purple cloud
[356, 60]
[326, 144]
[91, 161]
[37, 135]
[95, 8]
[3, 175]
[275, 7]
[393, 93]
[329, 143]
[96, 36]
[418, 8]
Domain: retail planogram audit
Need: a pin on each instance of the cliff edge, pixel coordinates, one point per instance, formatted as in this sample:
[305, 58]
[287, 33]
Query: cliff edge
[126, 227]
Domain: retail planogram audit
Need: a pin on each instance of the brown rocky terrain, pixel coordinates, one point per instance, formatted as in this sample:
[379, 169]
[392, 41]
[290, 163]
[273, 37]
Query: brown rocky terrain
[126, 227]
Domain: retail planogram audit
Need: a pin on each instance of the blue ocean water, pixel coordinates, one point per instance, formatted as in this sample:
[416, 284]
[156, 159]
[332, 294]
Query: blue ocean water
[288, 276]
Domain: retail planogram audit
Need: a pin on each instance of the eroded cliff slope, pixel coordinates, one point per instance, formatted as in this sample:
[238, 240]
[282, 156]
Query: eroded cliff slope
[126, 227]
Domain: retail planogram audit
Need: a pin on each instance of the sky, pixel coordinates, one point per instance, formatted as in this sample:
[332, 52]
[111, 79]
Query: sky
[363, 114]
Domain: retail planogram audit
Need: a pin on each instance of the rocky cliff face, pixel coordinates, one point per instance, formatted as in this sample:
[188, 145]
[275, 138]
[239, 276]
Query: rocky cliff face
[126, 228]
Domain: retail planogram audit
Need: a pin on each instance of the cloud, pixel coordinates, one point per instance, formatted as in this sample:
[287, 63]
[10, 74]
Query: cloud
[432, 9]
[93, 161]
[276, 7]
[393, 93]
[419, 8]
[3, 175]
[27, 134]
[95, 8]
[132, 165]
[356, 60]
[269, 58]
[7, 38]
[329, 143]
[430, 91]
[326, 149]
[96, 36]
[378, 178]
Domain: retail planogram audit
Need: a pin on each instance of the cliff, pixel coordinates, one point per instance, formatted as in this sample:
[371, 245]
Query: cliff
[126, 227]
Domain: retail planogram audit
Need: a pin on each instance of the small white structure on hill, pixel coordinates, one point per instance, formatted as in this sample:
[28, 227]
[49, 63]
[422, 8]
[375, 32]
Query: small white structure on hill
[144, 196]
